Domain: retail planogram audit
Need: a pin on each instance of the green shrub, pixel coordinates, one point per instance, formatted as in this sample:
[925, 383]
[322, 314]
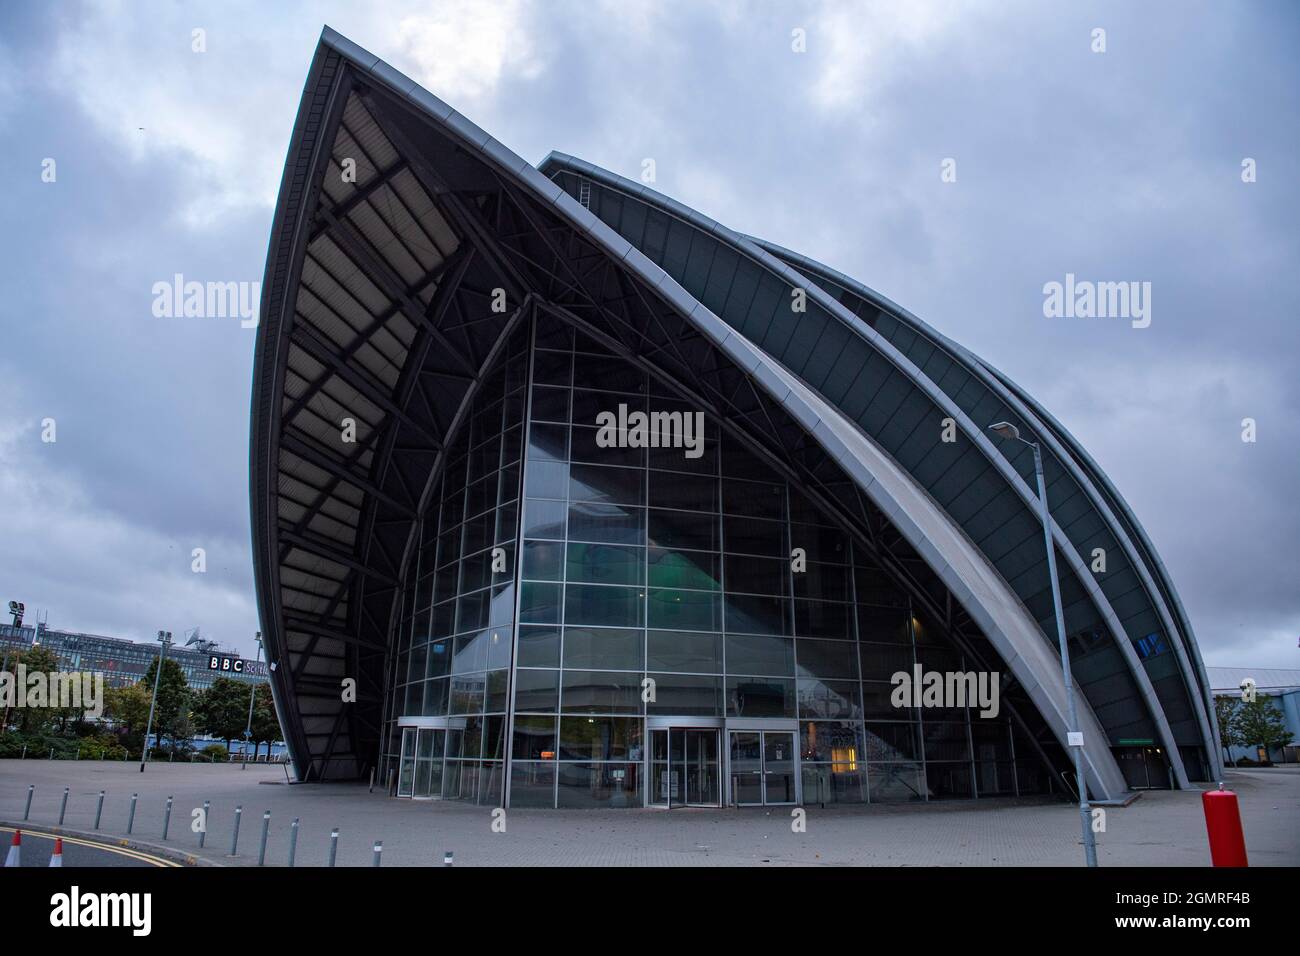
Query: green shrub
[217, 752]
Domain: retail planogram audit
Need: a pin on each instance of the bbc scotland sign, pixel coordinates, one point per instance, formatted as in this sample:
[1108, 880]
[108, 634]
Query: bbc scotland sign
[235, 665]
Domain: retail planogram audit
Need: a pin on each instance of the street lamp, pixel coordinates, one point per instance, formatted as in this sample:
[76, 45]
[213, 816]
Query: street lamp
[1073, 736]
[166, 638]
[252, 696]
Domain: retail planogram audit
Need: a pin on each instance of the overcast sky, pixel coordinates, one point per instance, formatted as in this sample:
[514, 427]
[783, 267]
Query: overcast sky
[1122, 165]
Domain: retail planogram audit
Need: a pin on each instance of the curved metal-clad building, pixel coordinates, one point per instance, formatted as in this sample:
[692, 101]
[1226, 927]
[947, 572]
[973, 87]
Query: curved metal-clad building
[564, 494]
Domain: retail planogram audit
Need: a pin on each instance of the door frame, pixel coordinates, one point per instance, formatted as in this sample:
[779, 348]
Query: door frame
[670, 724]
[762, 725]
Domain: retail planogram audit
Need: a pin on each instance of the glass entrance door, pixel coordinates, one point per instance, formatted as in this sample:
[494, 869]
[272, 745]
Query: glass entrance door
[406, 771]
[762, 767]
[685, 767]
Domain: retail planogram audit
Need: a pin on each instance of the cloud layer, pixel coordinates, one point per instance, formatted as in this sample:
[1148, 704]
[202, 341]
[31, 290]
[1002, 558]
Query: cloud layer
[1123, 165]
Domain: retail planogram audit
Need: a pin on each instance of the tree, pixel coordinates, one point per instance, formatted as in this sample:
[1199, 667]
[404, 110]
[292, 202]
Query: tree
[1225, 710]
[31, 720]
[222, 709]
[173, 697]
[128, 707]
[266, 725]
[1262, 725]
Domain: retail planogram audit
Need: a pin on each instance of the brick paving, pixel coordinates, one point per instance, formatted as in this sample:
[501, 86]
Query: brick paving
[1162, 828]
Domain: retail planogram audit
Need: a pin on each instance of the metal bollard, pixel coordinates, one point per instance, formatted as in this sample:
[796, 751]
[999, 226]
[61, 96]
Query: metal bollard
[293, 840]
[167, 817]
[234, 837]
[31, 788]
[203, 834]
[24, 756]
[266, 828]
[99, 809]
[379, 851]
[448, 858]
[51, 753]
[130, 821]
[64, 808]
[334, 844]
[372, 780]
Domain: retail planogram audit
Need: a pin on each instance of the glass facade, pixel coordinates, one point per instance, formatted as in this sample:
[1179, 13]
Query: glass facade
[687, 628]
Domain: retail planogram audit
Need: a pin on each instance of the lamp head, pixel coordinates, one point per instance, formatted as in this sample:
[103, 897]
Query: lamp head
[1004, 430]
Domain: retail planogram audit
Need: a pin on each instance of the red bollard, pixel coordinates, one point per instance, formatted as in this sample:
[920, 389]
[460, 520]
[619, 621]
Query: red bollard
[1223, 824]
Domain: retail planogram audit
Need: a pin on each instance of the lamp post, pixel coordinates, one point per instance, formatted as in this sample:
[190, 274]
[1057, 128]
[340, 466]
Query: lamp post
[166, 638]
[1073, 736]
[252, 696]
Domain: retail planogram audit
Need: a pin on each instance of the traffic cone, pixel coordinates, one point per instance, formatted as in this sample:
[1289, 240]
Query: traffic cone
[56, 858]
[15, 850]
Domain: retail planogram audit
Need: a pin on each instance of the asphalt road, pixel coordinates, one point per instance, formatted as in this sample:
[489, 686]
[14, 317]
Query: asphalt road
[37, 848]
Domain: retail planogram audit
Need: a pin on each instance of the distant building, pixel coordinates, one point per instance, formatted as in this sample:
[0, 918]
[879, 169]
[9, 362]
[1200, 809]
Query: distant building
[1282, 685]
[124, 662]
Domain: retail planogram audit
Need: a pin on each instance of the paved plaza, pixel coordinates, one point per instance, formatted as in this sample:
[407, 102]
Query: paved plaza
[1162, 828]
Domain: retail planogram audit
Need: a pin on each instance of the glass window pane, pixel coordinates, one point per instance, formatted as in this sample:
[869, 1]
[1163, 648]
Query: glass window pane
[601, 692]
[467, 694]
[683, 569]
[602, 605]
[760, 697]
[894, 783]
[677, 529]
[878, 702]
[751, 654]
[534, 738]
[614, 524]
[682, 651]
[603, 648]
[883, 661]
[757, 499]
[600, 738]
[544, 519]
[835, 699]
[827, 659]
[826, 582]
[537, 690]
[539, 603]
[605, 564]
[892, 742]
[587, 446]
[686, 695]
[822, 619]
[547, 443]
[756, 614]
[543, 560]
[590, 785]
[532, 784]
[439, 660]
[553, 368]
[587, 405]
[550, 404]
[751, 575]
[546, 479]
[684, 610]
[823, 740]
[539, 647]
[754, 536]
[624, 486]
[683, 492]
